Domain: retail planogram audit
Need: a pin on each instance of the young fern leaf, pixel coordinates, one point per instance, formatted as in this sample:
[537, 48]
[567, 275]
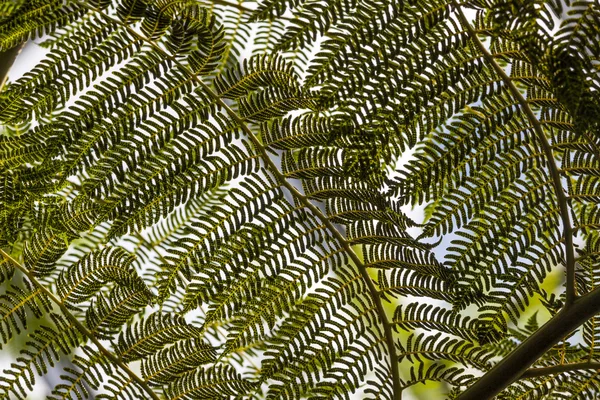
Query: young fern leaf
[82, 280]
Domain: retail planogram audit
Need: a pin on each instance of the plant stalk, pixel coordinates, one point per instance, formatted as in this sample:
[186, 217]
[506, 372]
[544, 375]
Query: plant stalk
[516, 364]
[557, 369]
[7, 59]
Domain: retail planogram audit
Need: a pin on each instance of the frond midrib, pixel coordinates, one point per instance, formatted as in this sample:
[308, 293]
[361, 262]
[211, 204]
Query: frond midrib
[374, 294]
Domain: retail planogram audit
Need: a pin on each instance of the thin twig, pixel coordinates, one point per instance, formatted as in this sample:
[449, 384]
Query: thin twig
[7, 59]
[557, 369]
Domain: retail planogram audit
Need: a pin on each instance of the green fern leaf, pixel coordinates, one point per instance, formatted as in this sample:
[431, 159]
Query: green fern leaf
[152, 334]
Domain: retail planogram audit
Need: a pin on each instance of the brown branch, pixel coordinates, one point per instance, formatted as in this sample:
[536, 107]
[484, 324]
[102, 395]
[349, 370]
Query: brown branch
[7, 59]
[557, 369]
[515, 365]
[577, 310]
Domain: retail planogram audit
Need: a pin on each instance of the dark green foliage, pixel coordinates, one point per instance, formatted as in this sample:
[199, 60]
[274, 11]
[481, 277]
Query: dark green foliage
[45, 346]
[207, 200]
[210, 383]
[78, 381]
[18, 305]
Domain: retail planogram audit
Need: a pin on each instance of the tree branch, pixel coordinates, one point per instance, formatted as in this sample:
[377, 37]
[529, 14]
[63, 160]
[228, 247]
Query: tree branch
[557, 369]
[81, 328]
[546, 148]
[515, 365]
[7, 59]
[577, 310]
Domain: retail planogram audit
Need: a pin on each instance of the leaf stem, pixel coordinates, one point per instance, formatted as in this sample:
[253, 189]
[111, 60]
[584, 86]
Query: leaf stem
[515, 365]
[7, 59]
[546, 148]
[557, 369]
[376, 298]
[80, 327]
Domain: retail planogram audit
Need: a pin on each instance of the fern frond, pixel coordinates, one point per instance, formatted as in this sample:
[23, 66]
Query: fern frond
[16, 304]
[152, 334]
[44, 348]
[88, 374]
[82, 280]
[271, 103]
[208, 384]
[172, 362]
[170, 189]
[107, 314]
[7, 270]
[437, 372]
[11, 206]
[120, 386]
[254, 73]
[292, 352]
[312, 19]
[221, 222]
[267, 210]
[43, 250]
[404, 282]
[420, 347]
[237, 33]
[35, 19]
[268, 33]
[276, 297]
[429, 317]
